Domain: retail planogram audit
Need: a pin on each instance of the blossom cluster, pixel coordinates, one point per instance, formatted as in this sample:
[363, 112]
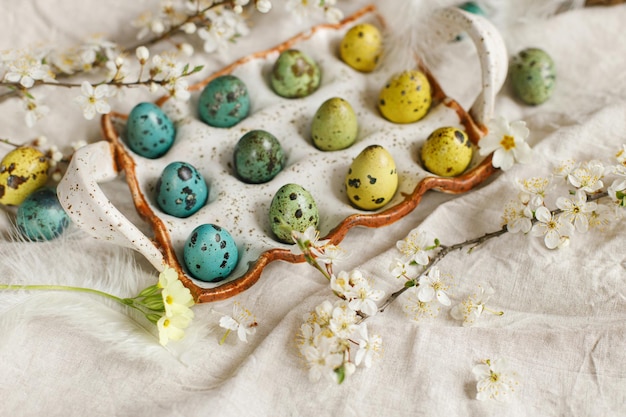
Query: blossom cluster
[217, 24]
[177, 301]
[582, 204]
[331, 333]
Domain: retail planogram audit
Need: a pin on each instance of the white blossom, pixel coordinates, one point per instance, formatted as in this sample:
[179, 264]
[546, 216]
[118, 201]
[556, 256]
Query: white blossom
[35, 110]
[242, 321]
[576, 210]
[495, 380]
[470, 309]
[369, 346]
[555, 231]
[431, 286]
[94, 100]
[517, 217]
[415, 246]
[507, 141]
[588, 176]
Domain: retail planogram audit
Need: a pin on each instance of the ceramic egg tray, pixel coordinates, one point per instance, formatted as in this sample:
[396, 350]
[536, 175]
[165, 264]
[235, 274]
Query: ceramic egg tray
[243, 208]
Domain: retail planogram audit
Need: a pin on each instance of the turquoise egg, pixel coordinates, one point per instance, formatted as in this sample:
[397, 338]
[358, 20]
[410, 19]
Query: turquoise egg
[292, 208]
[181, 190]
[295, 74]
[149, 131]
[258, 157]
[533, 76]
[41, 216]
[224, 102]
[210, 253]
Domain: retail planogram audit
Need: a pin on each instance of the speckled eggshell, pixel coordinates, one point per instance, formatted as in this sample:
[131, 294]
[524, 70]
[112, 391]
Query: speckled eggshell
[533, 76]
[224, 102]
[22, 171]
[447, 152]
[406, 98]
[181, 190]
[258, 157]
[210, 253]
[372, 179]
[295, 74]
[361, 47]
[41, 216]
[334, 125]
[292, 208]
[149, 131]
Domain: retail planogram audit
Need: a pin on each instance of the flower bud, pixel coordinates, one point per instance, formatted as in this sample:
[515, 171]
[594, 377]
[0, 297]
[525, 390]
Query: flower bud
[264, 6]
[142, 54]
[189, 28]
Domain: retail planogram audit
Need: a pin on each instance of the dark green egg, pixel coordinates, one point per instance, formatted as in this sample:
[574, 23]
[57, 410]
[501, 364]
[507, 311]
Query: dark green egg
[258, 157]
[533, 76]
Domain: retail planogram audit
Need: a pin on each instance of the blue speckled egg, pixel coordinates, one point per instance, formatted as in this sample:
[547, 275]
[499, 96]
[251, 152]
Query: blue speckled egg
[149, 131]
[224, 102]
[210, 253]
[258, 157]
[181, 190]
[292, 208]
[41, 217]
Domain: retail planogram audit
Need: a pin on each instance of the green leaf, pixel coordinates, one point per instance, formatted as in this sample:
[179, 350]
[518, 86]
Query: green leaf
[409, 284]
[341, 374]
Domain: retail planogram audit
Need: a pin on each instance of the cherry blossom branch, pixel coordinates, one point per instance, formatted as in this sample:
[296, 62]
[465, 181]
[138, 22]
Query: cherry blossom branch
[16, 88]
[445, 250]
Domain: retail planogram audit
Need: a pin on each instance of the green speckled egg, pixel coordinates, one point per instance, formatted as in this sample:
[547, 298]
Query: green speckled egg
[210, 253]
[149, 131]
[362, 47]
[406, 98]
[258, 157]
[334, 125]
[41, 216]
[447, 152]
[372, 179]
[292, 208]
[22, 171]
[295, 74]
[224, 102]
[533, 76]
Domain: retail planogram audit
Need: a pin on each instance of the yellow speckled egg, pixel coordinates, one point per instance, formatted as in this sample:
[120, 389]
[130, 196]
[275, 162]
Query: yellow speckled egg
[372, 179]
[406, 98]
[22, 171]
[447, 152]
[361, 47]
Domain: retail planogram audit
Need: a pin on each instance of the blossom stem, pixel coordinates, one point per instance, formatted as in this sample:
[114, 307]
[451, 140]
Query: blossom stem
[8, 142]
[123, 301]
[223, 339]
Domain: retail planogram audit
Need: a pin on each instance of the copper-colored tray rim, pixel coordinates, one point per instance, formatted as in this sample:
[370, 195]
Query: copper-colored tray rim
[125, 162]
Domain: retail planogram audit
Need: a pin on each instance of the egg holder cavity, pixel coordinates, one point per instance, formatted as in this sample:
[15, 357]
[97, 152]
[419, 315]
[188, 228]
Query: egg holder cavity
[242, 208]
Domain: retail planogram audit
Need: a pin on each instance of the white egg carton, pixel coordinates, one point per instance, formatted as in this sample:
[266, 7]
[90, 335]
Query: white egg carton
[243, 209]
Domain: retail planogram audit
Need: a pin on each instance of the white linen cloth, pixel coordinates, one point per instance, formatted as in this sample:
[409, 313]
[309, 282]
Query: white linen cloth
[564, 323]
